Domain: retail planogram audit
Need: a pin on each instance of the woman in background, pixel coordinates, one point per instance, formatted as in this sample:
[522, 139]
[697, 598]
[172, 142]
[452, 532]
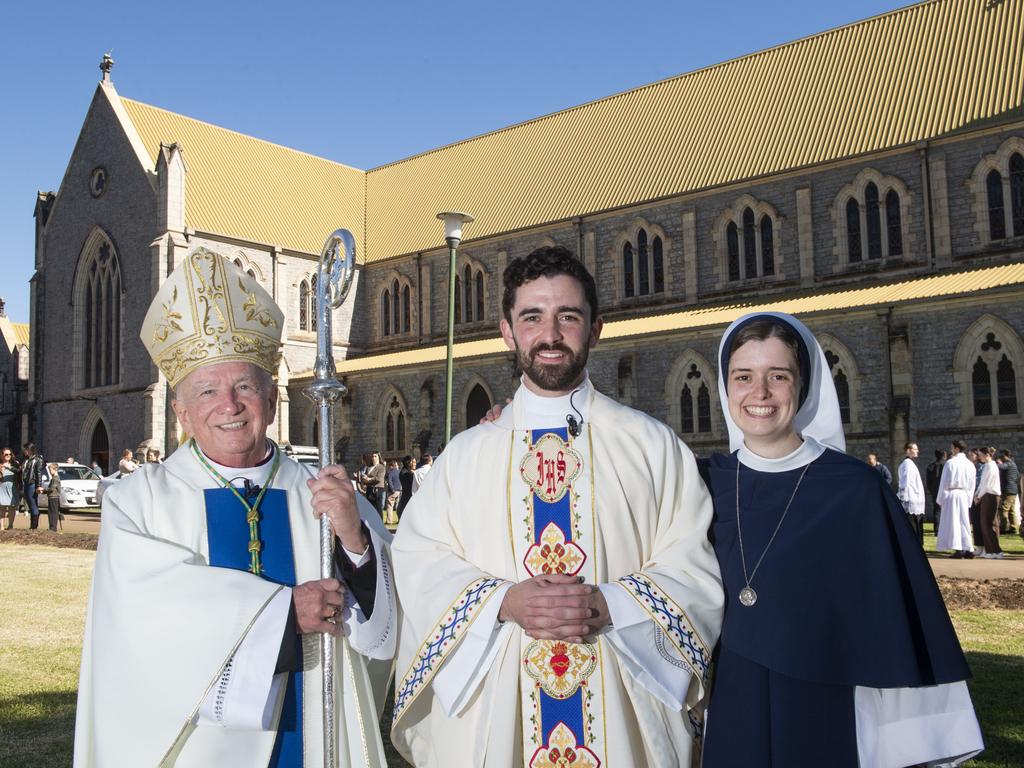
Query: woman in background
[10, 472]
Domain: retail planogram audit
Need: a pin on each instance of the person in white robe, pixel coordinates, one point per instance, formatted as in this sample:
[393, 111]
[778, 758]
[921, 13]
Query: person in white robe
[203, 629]
[911, 490]
[956, 493]
[560, 594]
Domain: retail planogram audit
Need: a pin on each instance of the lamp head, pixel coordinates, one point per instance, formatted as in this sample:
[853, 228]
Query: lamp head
[453, 222]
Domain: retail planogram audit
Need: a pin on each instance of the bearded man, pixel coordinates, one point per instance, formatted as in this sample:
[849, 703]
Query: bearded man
[201, 641]
[561, 597]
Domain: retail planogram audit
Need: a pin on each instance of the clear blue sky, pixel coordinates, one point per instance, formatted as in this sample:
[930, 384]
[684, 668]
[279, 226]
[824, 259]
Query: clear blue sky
[360, 82]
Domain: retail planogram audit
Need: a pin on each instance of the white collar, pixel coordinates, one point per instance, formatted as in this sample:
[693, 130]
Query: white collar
[538, 412]
[238, 475]
[809, 450]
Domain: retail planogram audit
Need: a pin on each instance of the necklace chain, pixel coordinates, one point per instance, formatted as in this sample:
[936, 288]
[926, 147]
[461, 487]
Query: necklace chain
[747, 595]
[252, 511]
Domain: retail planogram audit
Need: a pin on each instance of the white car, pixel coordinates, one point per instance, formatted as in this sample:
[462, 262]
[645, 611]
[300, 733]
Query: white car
[105, 483]
[77, 486]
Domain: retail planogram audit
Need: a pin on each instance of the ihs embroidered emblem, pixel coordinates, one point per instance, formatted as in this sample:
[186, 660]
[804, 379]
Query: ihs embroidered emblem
[550, 467]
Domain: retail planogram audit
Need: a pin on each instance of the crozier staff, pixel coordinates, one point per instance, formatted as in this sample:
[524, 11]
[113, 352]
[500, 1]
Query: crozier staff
[201, 638]
[836, 648]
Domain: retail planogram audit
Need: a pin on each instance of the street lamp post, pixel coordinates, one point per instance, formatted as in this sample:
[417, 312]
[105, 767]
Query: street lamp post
[453, 222]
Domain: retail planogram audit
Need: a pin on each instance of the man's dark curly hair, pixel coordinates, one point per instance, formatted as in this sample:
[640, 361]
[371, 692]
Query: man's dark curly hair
[548, 261]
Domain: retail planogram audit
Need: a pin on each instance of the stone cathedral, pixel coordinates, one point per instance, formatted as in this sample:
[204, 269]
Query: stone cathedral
[869, 179]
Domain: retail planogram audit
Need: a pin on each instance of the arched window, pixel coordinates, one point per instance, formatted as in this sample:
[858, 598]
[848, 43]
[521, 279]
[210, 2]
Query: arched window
[643, 268]
[874, 221]
[396, 307]
[659, 265]
[470, 293]
[477, 405]
[100, 293]
[406, 309]
[458, 299]
[467, 287]
[479, 295]
[643, 260]
[996, 208]
[629, 288]
[894, 223]
[303, 306]
[843, 393]
[312, 304]
[853, 230]
[394, 425]
[985, 369]
[694, 401]
[982, 386]
[749, 243]
[767, 246]
[625, 379]
[1017, 193]
[733, 244]
[385, 312]
[841, 366]
[1006, 386]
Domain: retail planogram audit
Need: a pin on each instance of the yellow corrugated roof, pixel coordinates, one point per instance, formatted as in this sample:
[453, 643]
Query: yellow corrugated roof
[931, 287]
[21, 333]
[254, 190]
[892, 80]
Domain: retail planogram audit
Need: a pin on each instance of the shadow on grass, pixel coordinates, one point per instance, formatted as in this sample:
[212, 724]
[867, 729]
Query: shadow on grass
[997, 689]
[37, 730]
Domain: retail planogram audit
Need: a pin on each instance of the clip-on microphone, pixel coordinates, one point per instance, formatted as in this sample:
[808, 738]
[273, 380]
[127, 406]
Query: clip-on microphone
[575, 427]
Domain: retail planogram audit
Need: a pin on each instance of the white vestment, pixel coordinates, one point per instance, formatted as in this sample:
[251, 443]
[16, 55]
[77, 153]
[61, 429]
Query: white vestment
[955, 496]
[911, 491]
[163, 628]
[473, 692]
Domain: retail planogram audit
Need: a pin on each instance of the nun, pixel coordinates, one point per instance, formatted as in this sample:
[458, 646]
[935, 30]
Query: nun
[837, 648]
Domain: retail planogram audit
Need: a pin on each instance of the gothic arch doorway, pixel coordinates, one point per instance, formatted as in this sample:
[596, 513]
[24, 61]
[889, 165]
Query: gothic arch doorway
[477, 405]
[99, 446]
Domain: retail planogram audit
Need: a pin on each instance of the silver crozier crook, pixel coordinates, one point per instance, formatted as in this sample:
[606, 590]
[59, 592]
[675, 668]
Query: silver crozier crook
[333, 279]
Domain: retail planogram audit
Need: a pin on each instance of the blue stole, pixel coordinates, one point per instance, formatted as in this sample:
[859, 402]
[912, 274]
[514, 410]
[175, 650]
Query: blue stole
[228, 539]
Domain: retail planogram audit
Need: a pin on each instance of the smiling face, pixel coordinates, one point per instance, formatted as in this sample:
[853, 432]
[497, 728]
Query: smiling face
[551, 332]
[227, 408]
[763, 388]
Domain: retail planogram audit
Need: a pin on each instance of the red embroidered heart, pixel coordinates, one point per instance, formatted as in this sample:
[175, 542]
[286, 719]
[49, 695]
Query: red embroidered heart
[560, 664]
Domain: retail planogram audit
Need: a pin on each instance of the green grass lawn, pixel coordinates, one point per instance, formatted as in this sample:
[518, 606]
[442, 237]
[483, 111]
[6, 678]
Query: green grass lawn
[1011, 543]
[43, 612]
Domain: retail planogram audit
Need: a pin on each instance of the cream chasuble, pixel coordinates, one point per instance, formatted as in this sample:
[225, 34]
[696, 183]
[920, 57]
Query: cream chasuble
[163, 625]
[620, 505]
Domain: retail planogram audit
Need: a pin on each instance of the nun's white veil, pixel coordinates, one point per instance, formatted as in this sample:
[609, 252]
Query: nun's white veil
[819, 415]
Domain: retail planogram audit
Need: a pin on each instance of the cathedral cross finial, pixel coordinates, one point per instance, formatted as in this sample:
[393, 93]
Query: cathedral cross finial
[106, 65]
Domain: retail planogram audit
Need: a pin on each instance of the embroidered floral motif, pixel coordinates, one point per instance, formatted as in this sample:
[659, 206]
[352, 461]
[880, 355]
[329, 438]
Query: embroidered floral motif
[560, 668]
[554, 554]
[550, 467]
[252, 309]
[562, 751]
[169, 321]
[672, 619]
[441, 641]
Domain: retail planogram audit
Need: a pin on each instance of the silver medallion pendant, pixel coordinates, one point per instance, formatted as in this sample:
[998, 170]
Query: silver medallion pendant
[748, 596]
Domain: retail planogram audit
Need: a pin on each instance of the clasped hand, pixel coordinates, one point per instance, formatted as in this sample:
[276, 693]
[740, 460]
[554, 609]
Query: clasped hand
[334, 496]
[555, 607]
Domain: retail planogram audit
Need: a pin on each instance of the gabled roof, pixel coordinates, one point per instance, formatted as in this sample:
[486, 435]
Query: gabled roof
[251, 189]
[13, 333]
[890, 81]
[947, 285]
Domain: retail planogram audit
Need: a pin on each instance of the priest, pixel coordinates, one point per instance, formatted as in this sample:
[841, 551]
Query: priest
[560, 595]
[202, 636]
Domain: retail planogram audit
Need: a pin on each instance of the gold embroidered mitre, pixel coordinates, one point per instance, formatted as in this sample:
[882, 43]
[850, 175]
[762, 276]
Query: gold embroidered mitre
[209, 311]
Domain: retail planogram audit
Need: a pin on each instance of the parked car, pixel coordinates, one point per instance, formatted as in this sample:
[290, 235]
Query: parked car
[304, 454]
[78, 486]
[105, 483]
